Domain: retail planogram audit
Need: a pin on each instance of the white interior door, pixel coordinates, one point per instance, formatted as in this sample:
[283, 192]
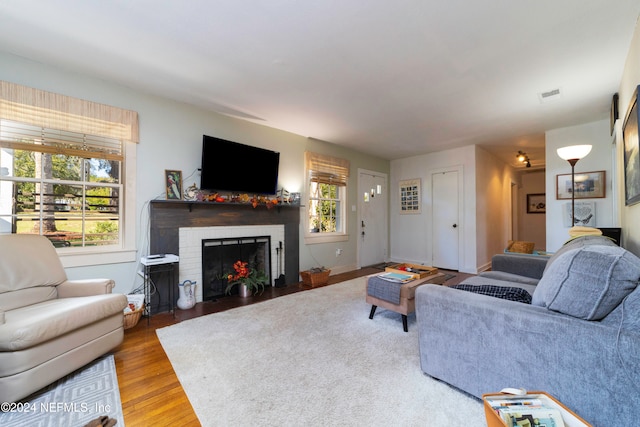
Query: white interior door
[372, 222]
[445, 220]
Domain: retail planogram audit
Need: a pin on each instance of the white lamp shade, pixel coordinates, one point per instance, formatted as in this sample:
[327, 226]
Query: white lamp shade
[574, 152]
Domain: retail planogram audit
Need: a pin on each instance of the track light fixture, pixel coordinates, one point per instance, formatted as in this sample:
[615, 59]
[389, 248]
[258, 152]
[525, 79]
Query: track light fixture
[523, 158]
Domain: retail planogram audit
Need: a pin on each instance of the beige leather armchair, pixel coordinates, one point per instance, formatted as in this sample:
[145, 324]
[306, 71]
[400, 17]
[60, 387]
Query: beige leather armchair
[49, 326]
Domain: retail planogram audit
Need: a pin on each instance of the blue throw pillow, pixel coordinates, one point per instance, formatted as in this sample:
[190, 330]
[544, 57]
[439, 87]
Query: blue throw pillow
[588, 282]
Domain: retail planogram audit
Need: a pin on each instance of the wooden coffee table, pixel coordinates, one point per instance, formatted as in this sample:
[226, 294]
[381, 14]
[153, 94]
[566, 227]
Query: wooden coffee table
[407, 303]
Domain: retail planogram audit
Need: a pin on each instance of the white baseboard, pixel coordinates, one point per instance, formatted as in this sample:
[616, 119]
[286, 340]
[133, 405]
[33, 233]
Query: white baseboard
[342, 269]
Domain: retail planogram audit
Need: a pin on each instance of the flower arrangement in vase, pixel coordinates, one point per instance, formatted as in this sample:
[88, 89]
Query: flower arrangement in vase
[249, 279]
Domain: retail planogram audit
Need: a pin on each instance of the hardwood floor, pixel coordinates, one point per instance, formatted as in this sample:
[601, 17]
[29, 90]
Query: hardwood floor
[149, 389]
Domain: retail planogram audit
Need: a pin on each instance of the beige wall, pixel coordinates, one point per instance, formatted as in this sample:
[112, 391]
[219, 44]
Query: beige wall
[532, 226]
[493, 212]
[630, 215]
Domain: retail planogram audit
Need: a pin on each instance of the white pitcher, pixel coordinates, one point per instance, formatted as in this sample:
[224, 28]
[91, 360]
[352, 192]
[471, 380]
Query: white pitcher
[187, 295]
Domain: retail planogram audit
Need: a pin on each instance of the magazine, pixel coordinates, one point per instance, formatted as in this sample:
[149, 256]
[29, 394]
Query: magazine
[531, 416]
[396, 277]
[526, 411]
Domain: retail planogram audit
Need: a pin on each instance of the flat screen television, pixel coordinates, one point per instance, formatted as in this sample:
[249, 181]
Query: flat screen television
[234, 167]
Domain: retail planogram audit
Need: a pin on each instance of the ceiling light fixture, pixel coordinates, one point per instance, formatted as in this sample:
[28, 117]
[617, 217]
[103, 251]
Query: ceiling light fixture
[523, 158]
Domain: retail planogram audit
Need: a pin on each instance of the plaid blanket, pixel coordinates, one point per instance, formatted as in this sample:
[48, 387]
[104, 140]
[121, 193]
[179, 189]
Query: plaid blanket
[504, 292]
[384, 289]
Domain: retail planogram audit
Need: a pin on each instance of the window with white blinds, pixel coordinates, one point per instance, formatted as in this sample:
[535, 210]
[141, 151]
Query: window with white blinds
[327, 189]
[62, 163]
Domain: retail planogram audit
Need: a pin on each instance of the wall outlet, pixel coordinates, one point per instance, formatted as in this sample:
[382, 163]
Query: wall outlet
[338, 252]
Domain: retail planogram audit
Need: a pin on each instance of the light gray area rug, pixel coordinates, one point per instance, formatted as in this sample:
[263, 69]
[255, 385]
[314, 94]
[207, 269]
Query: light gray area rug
[74, 400]
[308, 359]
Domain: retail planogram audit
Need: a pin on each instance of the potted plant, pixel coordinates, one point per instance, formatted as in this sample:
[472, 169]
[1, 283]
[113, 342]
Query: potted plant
[248, 278]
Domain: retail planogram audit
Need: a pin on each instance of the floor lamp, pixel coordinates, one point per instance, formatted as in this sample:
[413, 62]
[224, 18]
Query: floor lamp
[572, 154]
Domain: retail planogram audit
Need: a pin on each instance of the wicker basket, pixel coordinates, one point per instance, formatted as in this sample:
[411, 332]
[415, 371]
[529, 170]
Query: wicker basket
[132, 318]
[520, 247]
[314, 279]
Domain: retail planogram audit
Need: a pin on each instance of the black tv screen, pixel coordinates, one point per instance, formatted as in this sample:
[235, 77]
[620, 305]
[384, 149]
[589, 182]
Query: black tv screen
[231, 166]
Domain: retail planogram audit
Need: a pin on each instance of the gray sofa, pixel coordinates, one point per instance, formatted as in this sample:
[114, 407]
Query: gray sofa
[578, 340]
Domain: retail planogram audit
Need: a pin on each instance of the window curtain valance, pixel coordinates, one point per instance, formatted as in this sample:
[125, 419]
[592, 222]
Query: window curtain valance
[54, 111]
[326, 169]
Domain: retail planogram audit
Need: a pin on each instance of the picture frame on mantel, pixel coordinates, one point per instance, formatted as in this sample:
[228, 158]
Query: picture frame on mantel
[173, 184]
[631, 153]
[589, 185]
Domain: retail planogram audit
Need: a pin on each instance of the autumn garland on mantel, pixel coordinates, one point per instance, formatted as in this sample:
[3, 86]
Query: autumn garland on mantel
[194, 194]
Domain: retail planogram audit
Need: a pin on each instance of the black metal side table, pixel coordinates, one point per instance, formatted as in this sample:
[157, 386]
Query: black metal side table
[165, 263]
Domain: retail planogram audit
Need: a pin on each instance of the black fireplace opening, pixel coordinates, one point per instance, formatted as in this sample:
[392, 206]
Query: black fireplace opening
[219, 255]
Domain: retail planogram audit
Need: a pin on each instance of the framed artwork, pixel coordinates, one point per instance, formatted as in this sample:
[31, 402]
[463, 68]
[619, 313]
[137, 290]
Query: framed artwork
[613, 113]
[589, 185]
[173, 184]
[631, 159]
[536, 203]
[410, 196]
[585, 214]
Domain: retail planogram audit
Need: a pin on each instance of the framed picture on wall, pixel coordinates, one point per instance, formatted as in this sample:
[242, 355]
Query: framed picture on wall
[631, 155]
[585, 214]
[410, 196]
[173, 184]
[588, 185]
[536, 203]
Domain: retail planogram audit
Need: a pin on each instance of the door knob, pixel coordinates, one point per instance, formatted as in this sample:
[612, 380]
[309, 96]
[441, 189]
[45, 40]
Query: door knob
[455, 225]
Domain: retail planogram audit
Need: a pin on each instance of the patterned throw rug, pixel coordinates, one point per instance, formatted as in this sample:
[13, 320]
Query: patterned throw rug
[73, 401]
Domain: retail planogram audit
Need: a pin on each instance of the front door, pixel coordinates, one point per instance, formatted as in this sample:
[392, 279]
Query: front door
[372, 222]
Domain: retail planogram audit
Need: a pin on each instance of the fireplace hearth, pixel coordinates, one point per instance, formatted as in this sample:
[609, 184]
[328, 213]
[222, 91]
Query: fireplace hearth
[219, 255]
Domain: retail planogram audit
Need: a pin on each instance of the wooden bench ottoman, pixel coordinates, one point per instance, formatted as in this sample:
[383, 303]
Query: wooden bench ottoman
[407, 303]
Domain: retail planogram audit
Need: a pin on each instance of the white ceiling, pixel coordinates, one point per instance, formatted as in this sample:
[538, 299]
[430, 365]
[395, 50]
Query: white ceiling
[391, 78]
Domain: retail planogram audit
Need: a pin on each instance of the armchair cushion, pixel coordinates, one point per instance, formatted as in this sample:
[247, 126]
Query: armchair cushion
[28, 261]
[588, 282]
[36, 324]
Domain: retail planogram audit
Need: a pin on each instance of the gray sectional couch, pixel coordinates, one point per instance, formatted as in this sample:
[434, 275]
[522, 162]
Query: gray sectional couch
[578, 339]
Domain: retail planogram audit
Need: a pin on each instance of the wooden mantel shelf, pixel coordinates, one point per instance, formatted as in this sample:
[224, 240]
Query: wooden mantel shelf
[191, 204]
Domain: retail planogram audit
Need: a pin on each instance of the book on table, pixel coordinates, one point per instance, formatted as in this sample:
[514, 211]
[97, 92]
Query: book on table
[534, 409]
[396, 277]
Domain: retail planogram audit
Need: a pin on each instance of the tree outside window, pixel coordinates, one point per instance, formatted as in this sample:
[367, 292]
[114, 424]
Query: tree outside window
[71, 200]
[324, 208]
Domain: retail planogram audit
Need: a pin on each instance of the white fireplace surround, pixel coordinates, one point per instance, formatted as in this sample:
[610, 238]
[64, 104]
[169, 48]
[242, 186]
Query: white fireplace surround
[190, 244]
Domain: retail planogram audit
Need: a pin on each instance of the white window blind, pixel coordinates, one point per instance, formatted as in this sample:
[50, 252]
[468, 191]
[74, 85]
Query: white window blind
[327, 169]
[22, 136]
[50, 110]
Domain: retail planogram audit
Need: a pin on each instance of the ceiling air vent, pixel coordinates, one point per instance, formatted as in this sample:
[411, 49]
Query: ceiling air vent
[550, 95]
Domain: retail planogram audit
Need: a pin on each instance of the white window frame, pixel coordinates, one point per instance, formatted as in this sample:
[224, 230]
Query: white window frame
[326, 237]
[126, 250]
[55, 111]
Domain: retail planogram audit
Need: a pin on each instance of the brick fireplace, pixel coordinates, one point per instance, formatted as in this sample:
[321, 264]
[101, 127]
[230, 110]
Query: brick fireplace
[224, 245]
[168, 217]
